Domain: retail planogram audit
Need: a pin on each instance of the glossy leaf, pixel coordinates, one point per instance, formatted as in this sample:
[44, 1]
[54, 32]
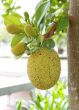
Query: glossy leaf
[18, 7]
[48, 43]
[14, 18]
[19, 105]
[16, 39]
[41, 11]
[10, 1]
[63, 23]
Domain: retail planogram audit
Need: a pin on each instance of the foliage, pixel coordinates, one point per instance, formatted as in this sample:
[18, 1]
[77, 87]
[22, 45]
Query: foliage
[51, 11]
[19, 105]
[9, 6]
[46, 13]
[55, 98]
[57, 12]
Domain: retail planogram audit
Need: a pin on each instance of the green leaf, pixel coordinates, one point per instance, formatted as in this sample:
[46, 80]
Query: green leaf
[19, 106]
[9, 10]
[65, 104]
[14, 18]
[10, 1]
[41, 11]
[50, 103]
[38, 102]
[38, 5]
[48, 43]
[17, 15]
[63, 23]
[6, 5]
[16, 39]
[18, 7]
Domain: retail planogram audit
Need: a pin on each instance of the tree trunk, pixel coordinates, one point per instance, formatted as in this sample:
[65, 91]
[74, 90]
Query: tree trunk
[73, 55]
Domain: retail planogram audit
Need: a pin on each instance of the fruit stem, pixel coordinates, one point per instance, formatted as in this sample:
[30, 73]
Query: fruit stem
[51, 31]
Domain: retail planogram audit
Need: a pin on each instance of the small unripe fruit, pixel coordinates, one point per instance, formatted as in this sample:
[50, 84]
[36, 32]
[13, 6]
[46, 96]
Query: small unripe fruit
[19, 49]
[30, 30]
[13, 29]
[44, 68]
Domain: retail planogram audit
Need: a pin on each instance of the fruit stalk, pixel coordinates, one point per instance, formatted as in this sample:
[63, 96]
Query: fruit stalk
[51, 31]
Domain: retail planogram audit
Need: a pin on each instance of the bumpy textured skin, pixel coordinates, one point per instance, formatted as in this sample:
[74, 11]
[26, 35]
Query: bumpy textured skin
[19, 49]
[30, 31]
[13, 29]
[43, 68]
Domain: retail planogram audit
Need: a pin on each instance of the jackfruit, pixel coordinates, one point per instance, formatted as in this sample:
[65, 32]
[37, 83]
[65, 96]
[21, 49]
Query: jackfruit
[19, 49]
[13, 29]
[43, 68]
[30, 30]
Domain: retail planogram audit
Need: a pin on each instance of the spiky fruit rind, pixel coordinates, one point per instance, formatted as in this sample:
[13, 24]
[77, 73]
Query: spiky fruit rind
[19, 49]
[44, 68]
[13, 29]
[30, 30]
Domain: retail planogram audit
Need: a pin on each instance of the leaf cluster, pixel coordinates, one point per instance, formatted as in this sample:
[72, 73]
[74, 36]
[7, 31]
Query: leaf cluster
[53, 11]
[55, 98]
[9, 6]
[46, 12]
[33, 43]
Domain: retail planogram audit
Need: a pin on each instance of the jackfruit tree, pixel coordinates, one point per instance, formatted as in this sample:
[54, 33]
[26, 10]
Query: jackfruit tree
[43, 67]
[73, 54]
[50, 19]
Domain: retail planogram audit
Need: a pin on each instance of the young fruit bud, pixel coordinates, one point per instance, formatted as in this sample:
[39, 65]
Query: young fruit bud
[13, 29]
[19, 49]
[30, 30]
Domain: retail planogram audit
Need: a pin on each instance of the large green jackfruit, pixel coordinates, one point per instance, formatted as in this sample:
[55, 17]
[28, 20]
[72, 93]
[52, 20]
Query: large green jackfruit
[43, 68]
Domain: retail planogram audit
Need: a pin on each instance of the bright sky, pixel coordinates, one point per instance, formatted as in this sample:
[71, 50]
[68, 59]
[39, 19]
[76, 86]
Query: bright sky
[26, 5]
